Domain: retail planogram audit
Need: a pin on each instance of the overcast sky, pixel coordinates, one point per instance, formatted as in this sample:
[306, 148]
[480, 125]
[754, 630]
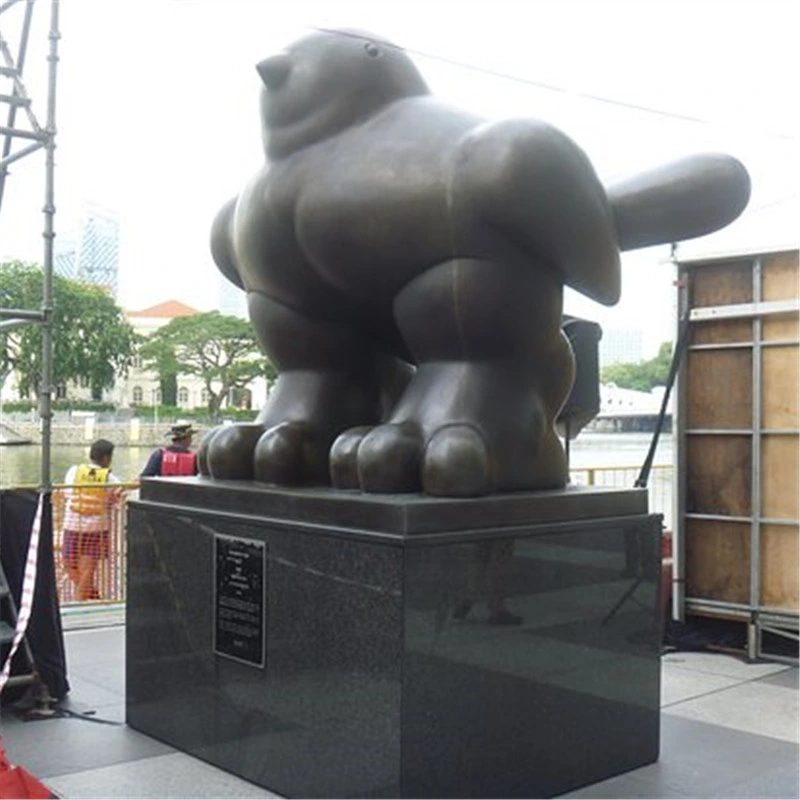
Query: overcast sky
[158, 113]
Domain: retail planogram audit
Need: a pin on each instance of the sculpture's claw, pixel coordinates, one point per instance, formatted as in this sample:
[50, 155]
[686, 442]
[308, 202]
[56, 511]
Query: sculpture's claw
[389, 459]
[229, 452]
[291, 454]
[456, 463]
[344, 458]
[392, 459]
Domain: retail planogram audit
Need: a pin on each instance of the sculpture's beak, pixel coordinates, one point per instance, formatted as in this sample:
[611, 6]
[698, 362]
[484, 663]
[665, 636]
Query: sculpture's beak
[274, 70]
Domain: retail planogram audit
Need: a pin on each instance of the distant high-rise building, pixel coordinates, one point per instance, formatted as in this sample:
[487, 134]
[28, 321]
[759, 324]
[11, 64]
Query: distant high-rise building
[621, 347]
[90, 253]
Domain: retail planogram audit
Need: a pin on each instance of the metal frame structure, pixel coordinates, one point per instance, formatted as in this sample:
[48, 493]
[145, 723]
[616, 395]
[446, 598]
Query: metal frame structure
[34, 137]
[759, 618]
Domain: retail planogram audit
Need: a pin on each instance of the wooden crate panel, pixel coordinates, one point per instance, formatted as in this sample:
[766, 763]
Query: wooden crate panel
[779, 274]
[779, 566]
[718, 560]
[779, 477]
[781, 384]
[780, 326]
[719, 391]
[721, 331]
[779, 281]
[721, 284]
[718, 396]
[718, 477]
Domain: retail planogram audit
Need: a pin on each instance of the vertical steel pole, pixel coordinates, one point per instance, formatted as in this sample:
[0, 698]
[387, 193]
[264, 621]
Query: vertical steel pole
[753, 631]
[679, 460]
[45, 394]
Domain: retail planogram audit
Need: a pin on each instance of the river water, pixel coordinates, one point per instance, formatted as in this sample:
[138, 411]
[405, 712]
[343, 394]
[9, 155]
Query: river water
[20, 465]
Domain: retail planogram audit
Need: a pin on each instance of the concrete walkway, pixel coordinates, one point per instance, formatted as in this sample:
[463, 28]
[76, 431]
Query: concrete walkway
[729, 730]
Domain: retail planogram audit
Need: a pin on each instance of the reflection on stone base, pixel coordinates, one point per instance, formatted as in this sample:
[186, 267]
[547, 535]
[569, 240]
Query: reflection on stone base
[498, 647]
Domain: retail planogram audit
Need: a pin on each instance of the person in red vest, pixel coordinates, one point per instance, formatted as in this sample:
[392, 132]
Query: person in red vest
[87, 518]
[177, 458]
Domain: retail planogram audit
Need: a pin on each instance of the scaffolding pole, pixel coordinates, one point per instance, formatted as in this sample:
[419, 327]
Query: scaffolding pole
[17, 72]
[46, 392]
[43, 137]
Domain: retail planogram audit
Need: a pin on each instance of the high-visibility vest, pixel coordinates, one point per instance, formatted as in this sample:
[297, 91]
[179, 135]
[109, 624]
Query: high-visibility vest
[173, 463]
[90, 502]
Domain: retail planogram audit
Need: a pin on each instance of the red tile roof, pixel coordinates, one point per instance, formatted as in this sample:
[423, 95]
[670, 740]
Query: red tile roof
[168, 309]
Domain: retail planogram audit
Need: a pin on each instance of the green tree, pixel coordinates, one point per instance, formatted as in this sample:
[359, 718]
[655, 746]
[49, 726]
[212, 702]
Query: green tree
[159, 356]
[642, 376]
[221, 350]
[92, 340]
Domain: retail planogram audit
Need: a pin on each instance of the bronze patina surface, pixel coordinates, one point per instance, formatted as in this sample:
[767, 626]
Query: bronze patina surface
[404, 263]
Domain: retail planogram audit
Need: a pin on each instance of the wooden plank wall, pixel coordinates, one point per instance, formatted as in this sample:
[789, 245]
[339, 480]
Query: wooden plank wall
[720, 438]
[780, 454]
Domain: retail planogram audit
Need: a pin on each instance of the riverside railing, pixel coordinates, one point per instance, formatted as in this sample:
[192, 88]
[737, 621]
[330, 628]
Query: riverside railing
[660, 486]
[110, 551]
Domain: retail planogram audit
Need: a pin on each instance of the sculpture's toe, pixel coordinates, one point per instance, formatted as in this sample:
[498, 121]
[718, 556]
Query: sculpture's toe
[389, 458]
[344, 458]
[456, 463]
[229, 452]
[290, 454]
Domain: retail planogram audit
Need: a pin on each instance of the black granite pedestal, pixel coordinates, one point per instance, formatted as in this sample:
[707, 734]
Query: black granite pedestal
[318, 643]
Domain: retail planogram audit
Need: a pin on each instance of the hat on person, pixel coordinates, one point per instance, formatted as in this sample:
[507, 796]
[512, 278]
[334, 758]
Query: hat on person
[181, 430]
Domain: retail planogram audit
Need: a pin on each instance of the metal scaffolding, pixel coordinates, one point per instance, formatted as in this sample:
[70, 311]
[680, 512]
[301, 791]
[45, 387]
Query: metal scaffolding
[20, 141]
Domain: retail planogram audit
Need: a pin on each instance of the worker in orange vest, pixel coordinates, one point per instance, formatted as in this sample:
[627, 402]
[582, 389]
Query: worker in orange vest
[177, 459]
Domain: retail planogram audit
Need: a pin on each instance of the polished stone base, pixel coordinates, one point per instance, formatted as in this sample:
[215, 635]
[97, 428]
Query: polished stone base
[375, 682]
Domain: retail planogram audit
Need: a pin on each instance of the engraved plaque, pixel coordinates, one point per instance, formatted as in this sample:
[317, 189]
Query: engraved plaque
[240, 599]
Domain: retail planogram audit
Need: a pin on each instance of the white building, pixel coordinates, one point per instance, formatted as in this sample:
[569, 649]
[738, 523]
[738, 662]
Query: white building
[629, 410]
[141, 386]
[615, 401]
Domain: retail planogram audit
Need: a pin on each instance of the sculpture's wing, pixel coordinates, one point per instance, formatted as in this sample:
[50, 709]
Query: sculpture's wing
[540, 189]
[544, 194]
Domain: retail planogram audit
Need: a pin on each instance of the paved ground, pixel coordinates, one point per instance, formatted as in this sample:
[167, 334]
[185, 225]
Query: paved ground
[729, 730]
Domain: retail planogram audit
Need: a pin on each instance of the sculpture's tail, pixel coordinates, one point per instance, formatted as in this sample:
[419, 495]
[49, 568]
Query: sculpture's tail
[687, 198]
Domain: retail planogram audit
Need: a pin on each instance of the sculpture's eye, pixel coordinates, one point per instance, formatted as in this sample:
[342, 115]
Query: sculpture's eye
[372, 50]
